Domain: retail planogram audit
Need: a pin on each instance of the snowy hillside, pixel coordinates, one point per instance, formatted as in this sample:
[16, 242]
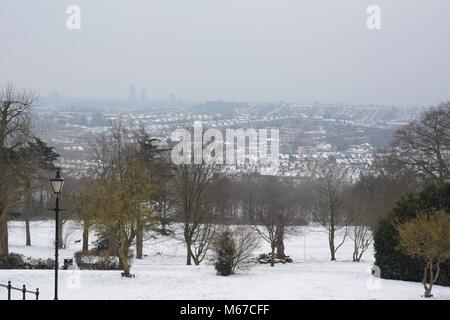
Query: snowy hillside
[162, 274]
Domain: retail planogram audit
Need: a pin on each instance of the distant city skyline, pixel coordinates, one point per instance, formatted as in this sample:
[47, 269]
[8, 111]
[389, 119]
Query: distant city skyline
[232, 50]
[172, 97]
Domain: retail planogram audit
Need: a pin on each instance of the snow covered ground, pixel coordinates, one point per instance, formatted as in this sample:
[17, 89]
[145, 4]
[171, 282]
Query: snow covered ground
[162, 274]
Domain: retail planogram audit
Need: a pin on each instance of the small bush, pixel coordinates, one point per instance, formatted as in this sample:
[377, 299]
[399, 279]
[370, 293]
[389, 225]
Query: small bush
[225, 252]
[233, 250]
[17, 261]
[267, 258]
[12, 261]
[44, 264]
[89, 261]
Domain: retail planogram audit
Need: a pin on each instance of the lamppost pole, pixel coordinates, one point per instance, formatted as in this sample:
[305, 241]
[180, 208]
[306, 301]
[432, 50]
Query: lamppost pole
[57, 186]
[56, 244]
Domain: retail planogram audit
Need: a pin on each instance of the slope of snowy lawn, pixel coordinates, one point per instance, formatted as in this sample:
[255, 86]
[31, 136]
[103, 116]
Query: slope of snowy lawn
[162, 274]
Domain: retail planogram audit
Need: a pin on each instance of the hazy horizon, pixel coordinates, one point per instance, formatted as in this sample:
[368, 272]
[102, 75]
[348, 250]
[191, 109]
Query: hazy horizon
[247, 50]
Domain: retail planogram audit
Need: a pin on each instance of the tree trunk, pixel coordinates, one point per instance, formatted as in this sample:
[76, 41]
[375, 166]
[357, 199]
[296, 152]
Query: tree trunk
[139, 240]
[163, 227]
[359, 256]
[188, 260]
[123, 259]
[355, 250]
[85, 236]
[27, 230]
[3, 235]
[196, 260]
[430, 287]
[332, 231]
[188, 241]
[123, 251]
[189, 254]
[28, 208]
[331, 243]
[272, 258]
[280, 243]
[428, 278]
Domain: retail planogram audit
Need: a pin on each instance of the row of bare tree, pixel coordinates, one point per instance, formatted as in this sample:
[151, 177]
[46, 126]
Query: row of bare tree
[330, 196]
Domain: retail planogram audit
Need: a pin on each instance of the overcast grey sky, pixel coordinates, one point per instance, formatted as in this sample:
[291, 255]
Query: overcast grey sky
[247, 50]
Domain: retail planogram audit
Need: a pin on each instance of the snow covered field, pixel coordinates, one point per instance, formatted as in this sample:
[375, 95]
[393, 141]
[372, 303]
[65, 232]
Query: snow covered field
[162, 274]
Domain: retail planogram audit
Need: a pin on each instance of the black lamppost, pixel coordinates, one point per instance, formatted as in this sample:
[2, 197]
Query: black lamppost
[57, 186]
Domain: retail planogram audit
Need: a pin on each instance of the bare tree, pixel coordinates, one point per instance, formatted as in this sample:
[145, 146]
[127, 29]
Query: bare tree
[374, 195]
[361, 217]
[358, 208]
[225, 200]
[247, 194]
[246, 242]
[193, 188]
[384, 184]
[193, 184]
[328, 186]
[424, 145]
[80, 195]
[274, 211]
[15, 133]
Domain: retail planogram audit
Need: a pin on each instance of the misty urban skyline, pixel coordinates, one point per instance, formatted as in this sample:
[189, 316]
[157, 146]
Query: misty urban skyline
[232, 50]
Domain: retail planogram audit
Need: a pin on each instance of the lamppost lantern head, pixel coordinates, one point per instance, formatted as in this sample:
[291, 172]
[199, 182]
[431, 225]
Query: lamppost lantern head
[57, 182]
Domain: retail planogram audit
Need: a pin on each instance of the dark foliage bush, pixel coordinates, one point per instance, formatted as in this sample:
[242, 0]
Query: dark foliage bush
[393, 263]
[225, 252]
[12, 261]
[17, 261]
[233, 249]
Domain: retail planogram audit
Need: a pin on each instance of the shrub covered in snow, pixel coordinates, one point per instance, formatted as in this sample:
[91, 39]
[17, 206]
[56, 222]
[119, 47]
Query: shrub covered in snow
[88, 261]
[31, 263]
[267, 258]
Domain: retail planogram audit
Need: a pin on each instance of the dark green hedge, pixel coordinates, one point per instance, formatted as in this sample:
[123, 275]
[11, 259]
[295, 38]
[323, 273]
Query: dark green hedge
[392, 263]
[17, 261]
